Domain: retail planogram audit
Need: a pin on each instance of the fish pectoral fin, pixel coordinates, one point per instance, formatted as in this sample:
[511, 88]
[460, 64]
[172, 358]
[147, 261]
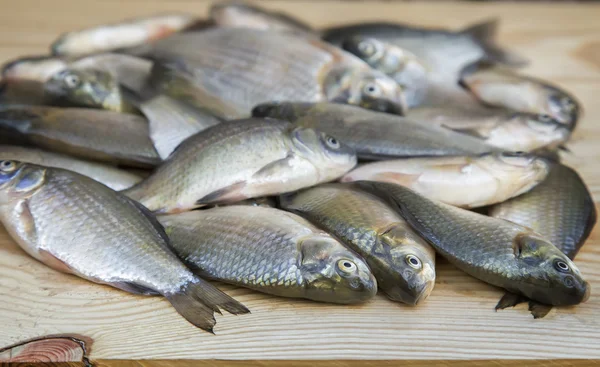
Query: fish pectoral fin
[274, 168]
[539, 310]
[197, 301]
[54, 262]
[229, 193]
[134, 288]
[509, 300]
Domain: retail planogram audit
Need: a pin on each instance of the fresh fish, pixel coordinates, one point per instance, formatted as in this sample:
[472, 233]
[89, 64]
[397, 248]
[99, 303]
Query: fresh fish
[402, 262]
[561, 209]
[172, 121]
[129, 71]
[82, 132]
[374, 135]
[502, 87]
[230, 70]
[465, 181]
[399, 64]
[243, 15]
[242, 159]
[496, 251]
[128, 33]
[76, 225]
[112, 177]
[509, 130]
[446, 53]
[266, 201]
[270, 251]
[87, 88]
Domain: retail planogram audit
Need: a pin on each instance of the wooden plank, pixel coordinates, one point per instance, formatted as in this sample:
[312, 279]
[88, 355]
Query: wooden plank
[456, 322]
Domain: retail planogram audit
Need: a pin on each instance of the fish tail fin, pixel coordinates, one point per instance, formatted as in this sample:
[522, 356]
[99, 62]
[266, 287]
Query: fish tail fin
[484, 33]
[199, 300]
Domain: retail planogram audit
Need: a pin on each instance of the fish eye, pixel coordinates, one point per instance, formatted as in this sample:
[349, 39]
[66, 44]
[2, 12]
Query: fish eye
[413, 261]
[332, 142]
[366, 47]
[371, 89]
[346, 266]
[7, 166]
[567, 103]
[544, 118]
[71, 80]
[561, 266]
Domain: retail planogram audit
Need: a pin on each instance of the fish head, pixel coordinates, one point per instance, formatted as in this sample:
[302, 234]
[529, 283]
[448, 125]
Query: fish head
[521, 168]
[549, 275]
[561, 106]
[19, 180]
[363, 86]
[330, 156]
[332, 272]
[370, 50]
[541, 130]
[88, 88]
[413, 275]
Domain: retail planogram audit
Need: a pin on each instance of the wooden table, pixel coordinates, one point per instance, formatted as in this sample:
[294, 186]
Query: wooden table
[456, 322]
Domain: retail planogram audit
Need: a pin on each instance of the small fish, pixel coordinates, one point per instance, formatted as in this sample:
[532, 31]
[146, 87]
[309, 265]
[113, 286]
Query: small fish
[374, 135]
[129, 71]
[82, 132]
[503, 87]
[446, 53]
[270, 251]
[243, 15]
[402, 262]
[242, 159]
[87, 88]
[464, 181]
[112, 177]
[399, 64]
[561, 209]
[230, 70]
[76, 225]
[128, 33]
[172, 121]
[509, 130]
[496, 251]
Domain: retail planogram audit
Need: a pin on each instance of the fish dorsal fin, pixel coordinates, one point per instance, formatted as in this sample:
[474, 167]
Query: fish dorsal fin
[485, 33]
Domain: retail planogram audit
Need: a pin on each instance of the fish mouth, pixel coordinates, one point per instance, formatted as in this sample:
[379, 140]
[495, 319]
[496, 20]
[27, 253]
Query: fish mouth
[587, 292]
[412, 296]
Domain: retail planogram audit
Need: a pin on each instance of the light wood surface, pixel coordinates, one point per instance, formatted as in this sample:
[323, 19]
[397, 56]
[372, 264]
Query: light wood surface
[457, 321]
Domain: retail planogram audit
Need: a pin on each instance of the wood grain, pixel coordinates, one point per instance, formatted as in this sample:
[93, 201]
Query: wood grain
[456, 322]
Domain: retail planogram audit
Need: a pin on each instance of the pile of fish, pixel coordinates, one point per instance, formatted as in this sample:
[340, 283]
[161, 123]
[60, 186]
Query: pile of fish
[252, 149]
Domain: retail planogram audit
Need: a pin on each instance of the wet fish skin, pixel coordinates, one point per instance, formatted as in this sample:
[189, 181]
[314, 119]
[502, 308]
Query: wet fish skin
[230, 70]
[283, 254]
[90, 88]
[76, 225]
[401, 65]
[128, 33]
[82, 132]
[36, 68]
[509, 130]
[560, 208]
[503, 87]
[243, 15]
[496, 251]
[464, 181]
[112, 177]
[374, 135]
[172, 121]
[242, 159]
[402, 262]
